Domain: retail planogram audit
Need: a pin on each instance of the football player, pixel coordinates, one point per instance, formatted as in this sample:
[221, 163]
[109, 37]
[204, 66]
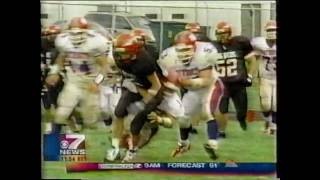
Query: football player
[234, 52]
[48, 55]
[196, 30]
[50, 93]
[145, 40]
[140, 83]
[189, 64]
[266, 50]
[110, 89]
[84, 50]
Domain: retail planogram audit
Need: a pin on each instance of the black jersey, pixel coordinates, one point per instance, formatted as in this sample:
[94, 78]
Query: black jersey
[152, 50]
[48, 52]
[231, 62]
[48, 56]
[201, 37]
[138, 69]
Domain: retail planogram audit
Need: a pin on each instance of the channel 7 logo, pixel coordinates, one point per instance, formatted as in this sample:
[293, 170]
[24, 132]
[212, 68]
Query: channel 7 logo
[72, 147]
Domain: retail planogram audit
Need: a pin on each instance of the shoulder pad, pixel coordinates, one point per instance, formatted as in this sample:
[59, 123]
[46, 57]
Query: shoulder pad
[165, 53]
[91, 33]
[257, 42]
[240, 39]
[62, 35]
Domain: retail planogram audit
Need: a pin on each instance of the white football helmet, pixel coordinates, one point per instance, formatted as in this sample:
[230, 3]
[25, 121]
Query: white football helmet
[185, 44]
[78, 31]
[271, 30]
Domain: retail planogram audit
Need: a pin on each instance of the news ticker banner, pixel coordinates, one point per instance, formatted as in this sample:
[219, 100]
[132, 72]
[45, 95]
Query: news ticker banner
[180, 167]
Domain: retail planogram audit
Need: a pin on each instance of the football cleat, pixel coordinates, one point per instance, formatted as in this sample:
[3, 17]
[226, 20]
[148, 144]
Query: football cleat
[211, 152]
[112, 155]
[129, 156]
[194, 131]
[272, 131]
[222, 135]
[180, 149]
[243, 125]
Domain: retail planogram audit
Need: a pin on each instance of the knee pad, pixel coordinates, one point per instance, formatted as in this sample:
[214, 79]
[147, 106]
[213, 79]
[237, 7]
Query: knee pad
[265, 104]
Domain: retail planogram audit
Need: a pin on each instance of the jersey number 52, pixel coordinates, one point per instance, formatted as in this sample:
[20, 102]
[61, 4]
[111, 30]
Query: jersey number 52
[227, 68]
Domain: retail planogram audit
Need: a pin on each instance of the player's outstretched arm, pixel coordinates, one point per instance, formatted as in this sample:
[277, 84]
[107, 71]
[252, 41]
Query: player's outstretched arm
[104, 62]
[164, 119]
[55, 69]
[252, 63]
[155, 84]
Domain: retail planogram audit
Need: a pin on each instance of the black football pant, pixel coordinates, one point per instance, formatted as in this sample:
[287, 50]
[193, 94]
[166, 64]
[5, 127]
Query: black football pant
[238, 94]
[128, 97]
[50, 97]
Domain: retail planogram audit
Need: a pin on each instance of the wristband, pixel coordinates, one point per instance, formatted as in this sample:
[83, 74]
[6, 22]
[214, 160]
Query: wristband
[99, 78]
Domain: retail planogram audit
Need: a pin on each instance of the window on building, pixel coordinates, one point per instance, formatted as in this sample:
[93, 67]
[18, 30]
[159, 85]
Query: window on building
[44, 16]
[152, 16]
[105, 8]
[177, 16]
[251, 20]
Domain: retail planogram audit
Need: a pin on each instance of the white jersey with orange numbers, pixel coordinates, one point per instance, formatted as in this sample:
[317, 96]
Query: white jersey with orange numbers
[205, 56]
[268, 58]
[81, 59]
[195, 101]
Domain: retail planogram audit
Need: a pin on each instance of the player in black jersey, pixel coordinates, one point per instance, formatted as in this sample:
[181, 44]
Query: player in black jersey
[144, 39]
[48, 55]
[234, 52]
[140, 82]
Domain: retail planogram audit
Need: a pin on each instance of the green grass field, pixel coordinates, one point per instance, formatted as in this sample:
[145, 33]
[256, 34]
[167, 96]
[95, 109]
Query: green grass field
[250, 146]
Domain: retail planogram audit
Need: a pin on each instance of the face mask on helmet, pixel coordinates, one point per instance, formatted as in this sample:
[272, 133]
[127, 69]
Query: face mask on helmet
[223, 32]
[127, 53]
[185, 53]
[78, 36]
[271, 34]
[222, 36]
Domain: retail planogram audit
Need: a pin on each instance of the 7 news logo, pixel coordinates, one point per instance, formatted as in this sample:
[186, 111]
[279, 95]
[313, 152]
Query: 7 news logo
[72, 147]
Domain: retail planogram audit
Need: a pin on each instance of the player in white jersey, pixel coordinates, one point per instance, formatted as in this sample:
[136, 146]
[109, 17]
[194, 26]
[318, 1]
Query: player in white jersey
[266, 49]
[110, 93]
[84, 50]
[110, 89]
[189, 64]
